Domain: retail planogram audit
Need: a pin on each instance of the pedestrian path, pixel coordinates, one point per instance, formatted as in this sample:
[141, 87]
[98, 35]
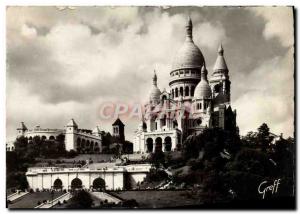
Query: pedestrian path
[65, 197]
[105, 196]
[16, 195]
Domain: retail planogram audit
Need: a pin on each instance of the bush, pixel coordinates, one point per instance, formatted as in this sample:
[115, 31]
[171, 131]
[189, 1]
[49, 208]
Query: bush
[131, 203]
[64, 201]
[72, 154]
[39, 203]
[31, 191]
[59, 203]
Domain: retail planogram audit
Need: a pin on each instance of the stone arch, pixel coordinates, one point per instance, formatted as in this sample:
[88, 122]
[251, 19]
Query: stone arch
[149, 145]
[187, 91]
[87, 144]
[44, 137]
[51, 137]
[158, 144]
[57, 184]
[76, 183]
[168, 144]
[99, 184]
[30, 138]
[164, 98]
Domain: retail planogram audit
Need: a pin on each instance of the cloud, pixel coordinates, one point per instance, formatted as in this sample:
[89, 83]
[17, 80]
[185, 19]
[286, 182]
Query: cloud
[29, 32]
[265, 101]
[209, 35]
[276, 23]
[71, 61]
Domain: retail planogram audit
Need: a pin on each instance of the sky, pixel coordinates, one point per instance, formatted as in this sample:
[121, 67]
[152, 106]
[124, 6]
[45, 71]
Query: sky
[68, 62]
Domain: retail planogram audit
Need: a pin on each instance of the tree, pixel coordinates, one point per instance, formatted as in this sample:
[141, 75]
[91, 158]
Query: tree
[81, 200]
[249, 168]
[157, 158]
[263, 137]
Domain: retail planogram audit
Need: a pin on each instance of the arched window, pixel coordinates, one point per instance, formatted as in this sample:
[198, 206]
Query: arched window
[176, 92]
[181, 91]
[175, 124]
[158, 144]
[172, 93]
[78, 142]
[217, 88]
[200, 106]
[168, 144]
[149, 145]
[192, 90]
[187, 91]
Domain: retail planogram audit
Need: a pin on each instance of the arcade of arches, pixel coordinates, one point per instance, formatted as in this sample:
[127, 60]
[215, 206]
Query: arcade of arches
[159, 144]
[76, 183]
[87, 146]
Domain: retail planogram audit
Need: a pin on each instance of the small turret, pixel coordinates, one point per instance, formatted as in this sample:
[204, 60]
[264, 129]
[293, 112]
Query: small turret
[21, 130]
[220, 64]
[96, 131]
[70, 138]
[155, 92]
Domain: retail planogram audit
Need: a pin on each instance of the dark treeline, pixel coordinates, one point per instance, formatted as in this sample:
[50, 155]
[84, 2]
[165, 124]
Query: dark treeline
[220, 165]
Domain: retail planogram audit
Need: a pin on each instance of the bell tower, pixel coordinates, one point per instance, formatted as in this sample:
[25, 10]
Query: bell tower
[219, 81]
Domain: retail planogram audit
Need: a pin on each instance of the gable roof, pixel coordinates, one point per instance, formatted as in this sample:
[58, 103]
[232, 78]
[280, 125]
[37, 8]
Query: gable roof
[118, 122]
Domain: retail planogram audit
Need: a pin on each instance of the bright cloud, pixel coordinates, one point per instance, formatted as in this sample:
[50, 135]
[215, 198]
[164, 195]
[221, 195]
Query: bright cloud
[66, 63]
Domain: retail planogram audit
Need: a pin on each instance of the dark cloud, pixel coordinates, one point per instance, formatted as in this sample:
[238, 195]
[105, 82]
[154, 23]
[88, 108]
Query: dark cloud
[114, 50]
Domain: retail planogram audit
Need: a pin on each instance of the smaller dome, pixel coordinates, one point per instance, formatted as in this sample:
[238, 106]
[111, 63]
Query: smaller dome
[203, 89]
[155, 94]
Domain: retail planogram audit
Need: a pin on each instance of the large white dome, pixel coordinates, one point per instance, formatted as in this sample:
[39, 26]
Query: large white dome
[189, 55]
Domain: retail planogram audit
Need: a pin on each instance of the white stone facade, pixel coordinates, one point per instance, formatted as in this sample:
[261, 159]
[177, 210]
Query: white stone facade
[192, 104]
[81, 140]
[114, 177]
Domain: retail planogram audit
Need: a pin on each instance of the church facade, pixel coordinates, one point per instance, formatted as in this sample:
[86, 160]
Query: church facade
[193, 103]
